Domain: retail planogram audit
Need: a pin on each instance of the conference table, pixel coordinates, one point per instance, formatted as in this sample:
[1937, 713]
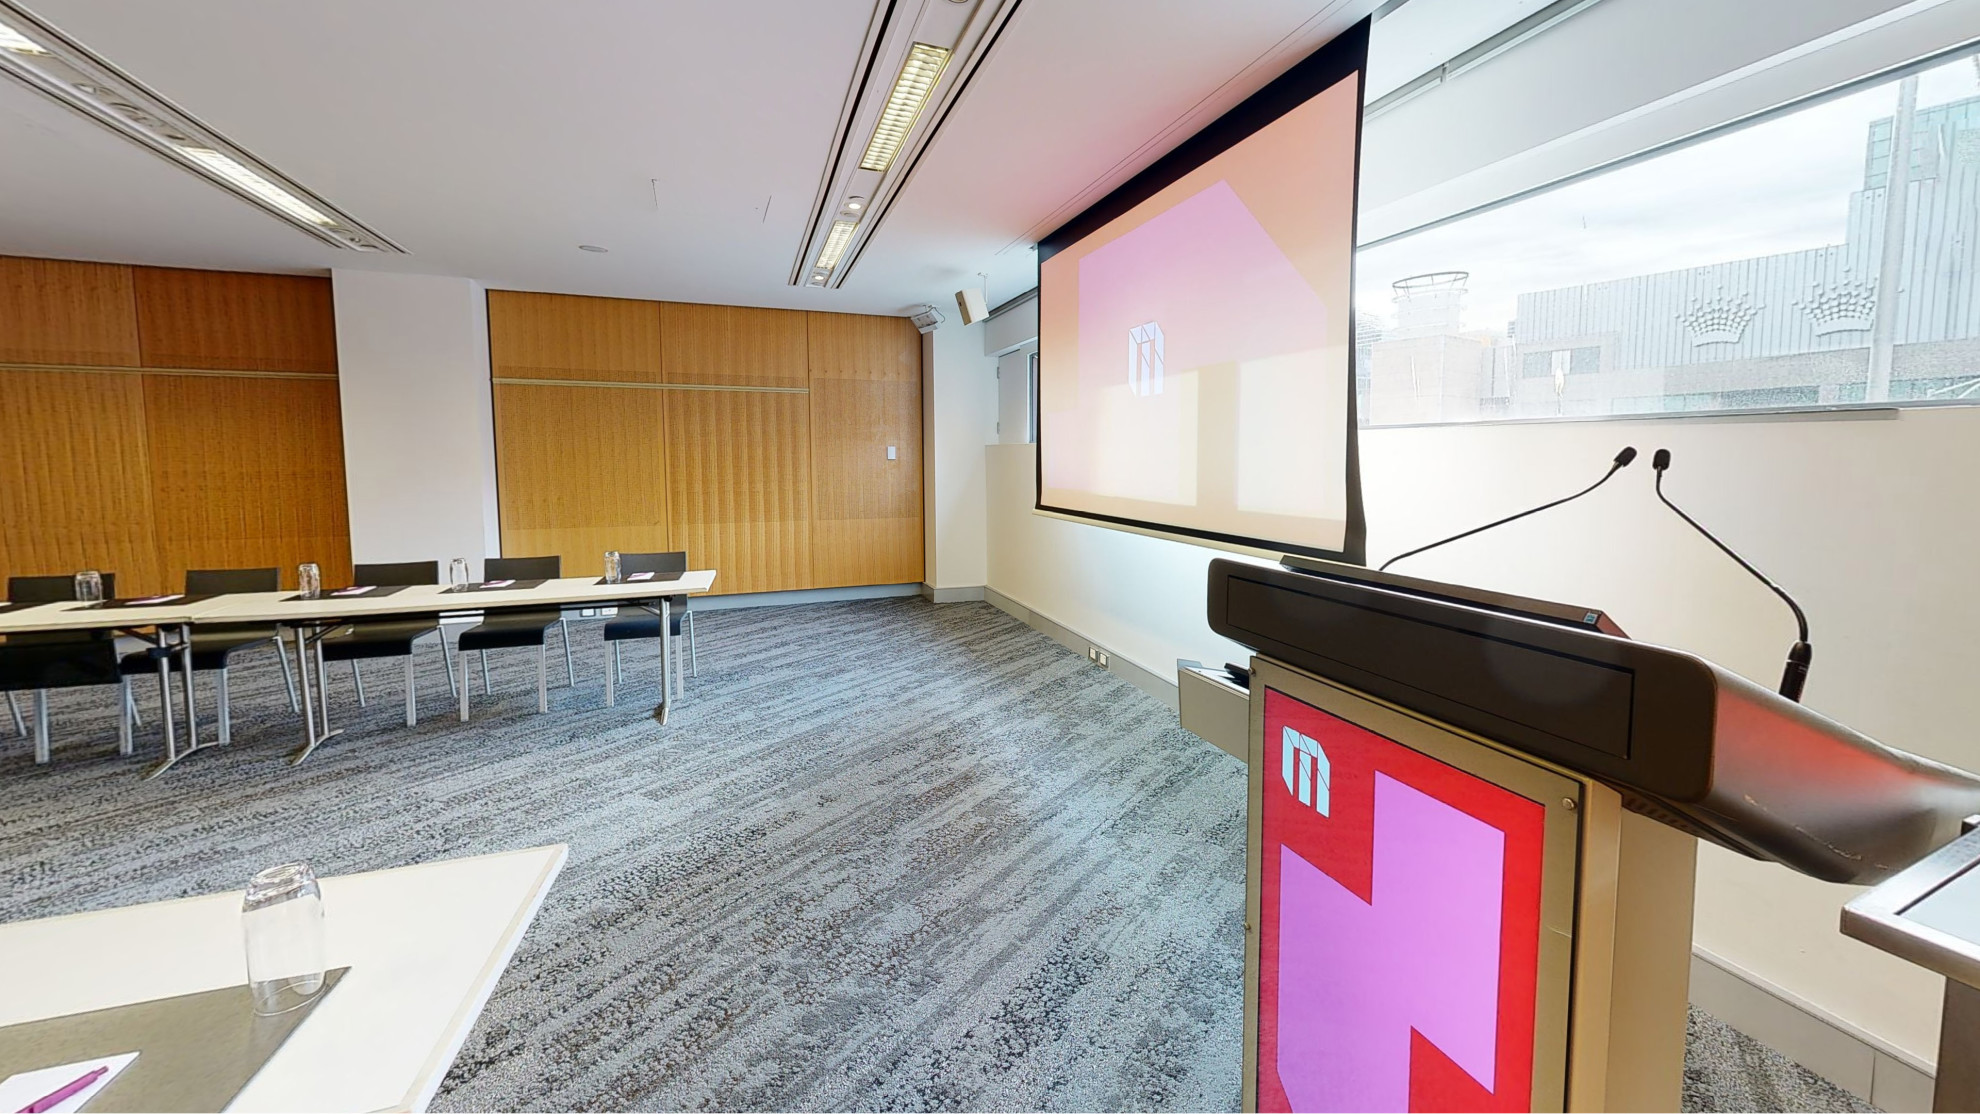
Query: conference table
[425, 946]
[176, 617]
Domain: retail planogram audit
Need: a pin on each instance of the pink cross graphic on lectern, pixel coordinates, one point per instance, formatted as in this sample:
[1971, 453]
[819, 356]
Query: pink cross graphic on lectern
[1423, 956]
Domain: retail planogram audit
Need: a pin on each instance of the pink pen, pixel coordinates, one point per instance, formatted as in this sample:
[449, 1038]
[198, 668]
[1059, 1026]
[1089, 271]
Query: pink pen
[55, 1098]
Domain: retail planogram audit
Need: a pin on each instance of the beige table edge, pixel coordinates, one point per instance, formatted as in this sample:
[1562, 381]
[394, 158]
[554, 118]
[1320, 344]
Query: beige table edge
[453, 1036]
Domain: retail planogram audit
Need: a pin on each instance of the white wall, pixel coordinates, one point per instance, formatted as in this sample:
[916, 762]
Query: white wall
[419, 447]
[1870, 523]
[959, 417]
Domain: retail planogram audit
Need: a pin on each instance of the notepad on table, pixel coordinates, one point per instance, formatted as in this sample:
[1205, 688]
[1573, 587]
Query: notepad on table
[640, 576]
[157, 599]
[359, 591]
[496, 583]
[27, 1090]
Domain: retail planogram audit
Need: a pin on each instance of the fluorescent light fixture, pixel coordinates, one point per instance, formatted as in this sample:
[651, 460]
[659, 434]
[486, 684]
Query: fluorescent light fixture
[13, 40]
[835, 243]
[226, 167]
[905, 101]
[66, 72]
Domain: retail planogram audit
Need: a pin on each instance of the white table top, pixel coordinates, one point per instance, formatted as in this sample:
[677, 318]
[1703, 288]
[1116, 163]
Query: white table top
[425, 945]
[282, 607]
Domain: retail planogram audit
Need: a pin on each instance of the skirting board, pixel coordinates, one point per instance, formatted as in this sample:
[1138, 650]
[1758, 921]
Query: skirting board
[1852, 1059]
[1147, 680]
[1825, 1044]
[771, 599]
[971, 594]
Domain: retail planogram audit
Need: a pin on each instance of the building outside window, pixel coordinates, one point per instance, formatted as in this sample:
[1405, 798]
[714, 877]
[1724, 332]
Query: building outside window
[1747, 271]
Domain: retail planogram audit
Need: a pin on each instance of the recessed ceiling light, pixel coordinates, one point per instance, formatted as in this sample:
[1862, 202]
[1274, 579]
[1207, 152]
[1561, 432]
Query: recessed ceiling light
[818, 280]
[855, 204]
[835, 243]
[13, 40]
[230, 169]
[905, 101]
[593, 247]
[51, 63]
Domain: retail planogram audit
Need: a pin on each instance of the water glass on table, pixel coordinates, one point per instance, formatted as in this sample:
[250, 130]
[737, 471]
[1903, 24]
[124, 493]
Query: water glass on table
[309, 578]
[611, 566]
[282, 924]
[457, 574]
[89, 586]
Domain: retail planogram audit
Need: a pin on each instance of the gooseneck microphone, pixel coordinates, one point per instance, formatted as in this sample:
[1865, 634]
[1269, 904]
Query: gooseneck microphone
[1621, 462]
[1796, 674]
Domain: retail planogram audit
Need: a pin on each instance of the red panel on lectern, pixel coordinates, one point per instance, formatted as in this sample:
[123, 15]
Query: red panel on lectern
[1399, 929]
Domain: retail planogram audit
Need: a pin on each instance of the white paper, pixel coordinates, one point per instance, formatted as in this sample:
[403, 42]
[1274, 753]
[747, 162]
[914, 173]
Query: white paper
[159, 599]
[353, 591]
[17, 1092]
[498, 584]
[640, 576]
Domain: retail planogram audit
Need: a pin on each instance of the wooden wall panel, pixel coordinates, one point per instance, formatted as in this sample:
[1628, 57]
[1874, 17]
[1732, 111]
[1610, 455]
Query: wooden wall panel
[234, 321]
[580, 471]
[867, 509]
[562, 336]
[859, 346]
[739, 486]
[57, 312]
[247, 473]
[75, 489]
[733, 345]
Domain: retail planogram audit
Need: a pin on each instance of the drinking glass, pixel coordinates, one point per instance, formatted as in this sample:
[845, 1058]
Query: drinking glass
[282, 924]
[89, 586]
[309, 578]
[457, 574]
[611, 566]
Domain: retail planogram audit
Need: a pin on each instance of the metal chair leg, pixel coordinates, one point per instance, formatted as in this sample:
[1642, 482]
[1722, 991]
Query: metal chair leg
[288, 675]
[694, 659]
[412, 691]
[485, 689]
[131, 699]
[358, 680]
[570, 670]
[20, 725]
[612, 675]
[129, 705]
[226, 710]
[543, 676]
[447, 656]
[41, 727]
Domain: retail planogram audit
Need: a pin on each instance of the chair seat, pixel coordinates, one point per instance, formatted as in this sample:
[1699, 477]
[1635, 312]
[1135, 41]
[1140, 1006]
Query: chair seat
[502, 631]
[38, 664]
[383, 638]
[212, 646]
[639, 624]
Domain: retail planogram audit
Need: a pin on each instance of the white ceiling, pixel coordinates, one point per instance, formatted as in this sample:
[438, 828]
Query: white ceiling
[491, 137]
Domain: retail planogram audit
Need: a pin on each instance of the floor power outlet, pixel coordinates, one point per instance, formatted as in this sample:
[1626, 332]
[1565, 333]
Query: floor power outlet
[1097, 656]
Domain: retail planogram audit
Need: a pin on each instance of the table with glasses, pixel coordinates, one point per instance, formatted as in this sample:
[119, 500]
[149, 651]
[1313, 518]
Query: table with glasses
[171, 620]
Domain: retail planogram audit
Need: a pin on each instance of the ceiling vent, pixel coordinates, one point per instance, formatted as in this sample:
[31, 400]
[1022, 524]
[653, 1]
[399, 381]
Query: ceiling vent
[915, 64]
[49, 62]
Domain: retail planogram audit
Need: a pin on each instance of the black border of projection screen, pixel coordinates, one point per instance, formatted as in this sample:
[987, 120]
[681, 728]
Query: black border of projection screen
[1343, 58]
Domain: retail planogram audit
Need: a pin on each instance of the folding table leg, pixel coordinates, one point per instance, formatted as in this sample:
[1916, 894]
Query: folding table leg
[543, 676]
[41, 727]
[462, 690]
[666, 666]
[20, 725]
[288, 677]
[485, 690]
[611, 675]
[357, 679]
[127, 703]
[226, 710]
[412, 691]
[570, 670]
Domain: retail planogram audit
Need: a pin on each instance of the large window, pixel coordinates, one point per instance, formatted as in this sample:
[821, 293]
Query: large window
[1746, 271]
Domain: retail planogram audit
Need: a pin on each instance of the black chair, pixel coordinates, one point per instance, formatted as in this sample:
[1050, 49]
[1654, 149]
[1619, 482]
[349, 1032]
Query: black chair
[213, 644]
[390, 637]
[41, 660]
[506, 629]
[642, 623]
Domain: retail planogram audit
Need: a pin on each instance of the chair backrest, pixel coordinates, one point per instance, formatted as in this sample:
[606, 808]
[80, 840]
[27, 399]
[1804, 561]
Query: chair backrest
[522, 568]
[220, 582]
[404, 572]
[660, 564]
[52, 589]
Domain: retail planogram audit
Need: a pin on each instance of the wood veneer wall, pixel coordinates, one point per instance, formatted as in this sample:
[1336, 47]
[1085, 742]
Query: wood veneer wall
[755, 439]
[155, 420]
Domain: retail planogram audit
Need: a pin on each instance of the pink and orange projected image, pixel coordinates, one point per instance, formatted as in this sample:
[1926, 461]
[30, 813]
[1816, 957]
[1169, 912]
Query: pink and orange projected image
[1194, 352]
[1399, 928]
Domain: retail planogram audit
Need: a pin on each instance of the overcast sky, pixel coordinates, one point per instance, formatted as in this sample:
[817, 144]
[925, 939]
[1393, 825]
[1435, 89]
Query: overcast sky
[1783, 185]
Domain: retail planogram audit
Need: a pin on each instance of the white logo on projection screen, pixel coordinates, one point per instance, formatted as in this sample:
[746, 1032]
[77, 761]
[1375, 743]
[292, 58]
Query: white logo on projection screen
[1316, 774]
[1145, 345]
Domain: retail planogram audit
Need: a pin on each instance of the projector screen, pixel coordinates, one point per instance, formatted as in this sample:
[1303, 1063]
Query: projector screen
[1196, 335]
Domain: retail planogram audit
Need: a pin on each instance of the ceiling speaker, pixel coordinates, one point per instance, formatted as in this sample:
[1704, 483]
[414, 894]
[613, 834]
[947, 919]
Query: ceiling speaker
[970, 303]
[927, 319]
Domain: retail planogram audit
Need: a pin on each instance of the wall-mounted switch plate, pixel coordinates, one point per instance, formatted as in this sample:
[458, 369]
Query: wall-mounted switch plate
[1097, 656]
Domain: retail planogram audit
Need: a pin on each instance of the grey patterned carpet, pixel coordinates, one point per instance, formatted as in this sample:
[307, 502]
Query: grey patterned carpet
[888, 855]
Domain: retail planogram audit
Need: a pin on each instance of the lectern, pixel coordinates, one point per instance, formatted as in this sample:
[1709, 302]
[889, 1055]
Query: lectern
[1473, 825]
